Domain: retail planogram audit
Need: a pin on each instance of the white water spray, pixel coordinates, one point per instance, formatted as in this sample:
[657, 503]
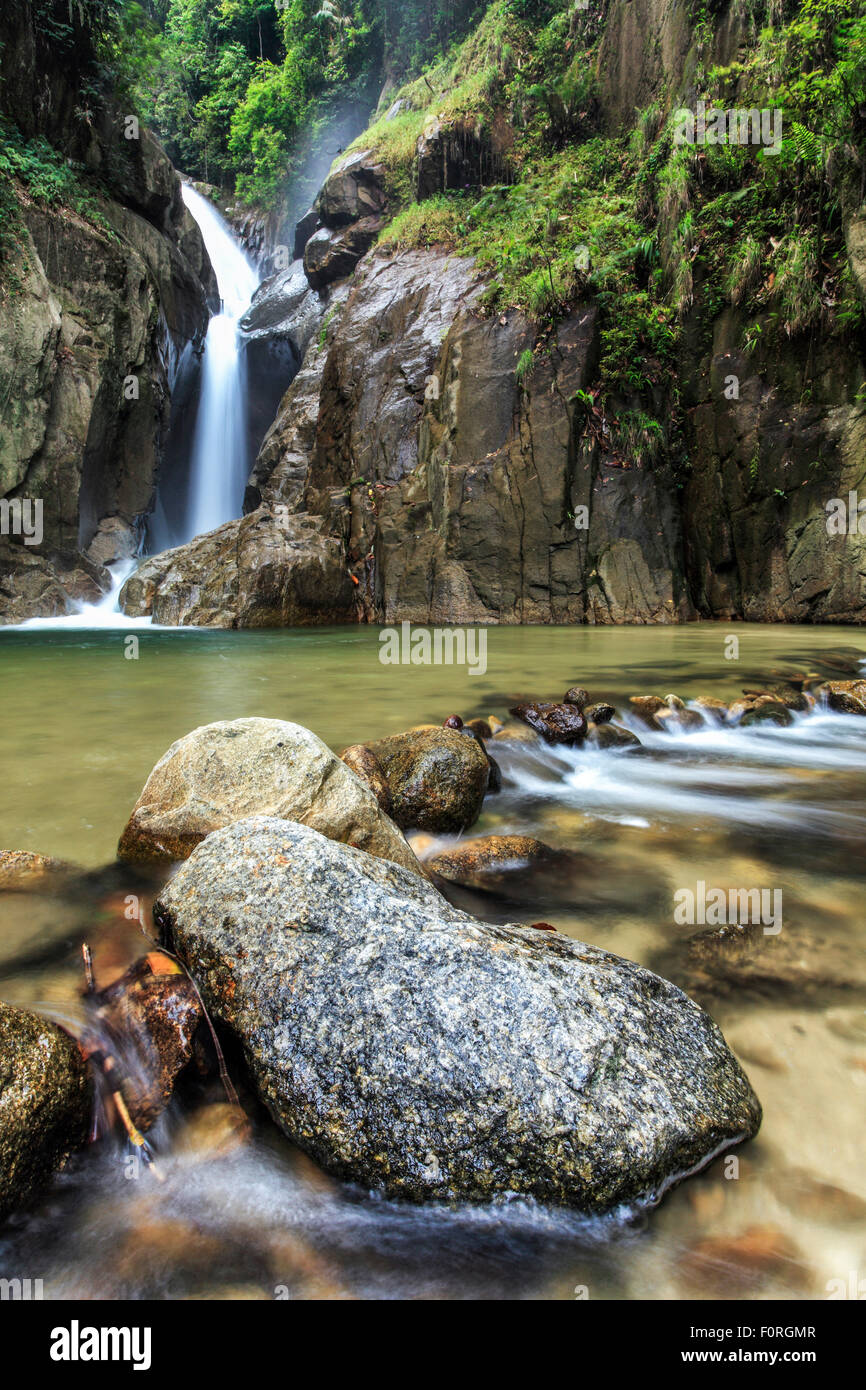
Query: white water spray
[219, 464]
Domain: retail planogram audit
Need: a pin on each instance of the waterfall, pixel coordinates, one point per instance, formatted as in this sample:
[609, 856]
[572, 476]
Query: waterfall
[220, 462]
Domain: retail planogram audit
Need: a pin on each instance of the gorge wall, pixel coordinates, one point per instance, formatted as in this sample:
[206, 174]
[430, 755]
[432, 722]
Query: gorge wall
[447, 453]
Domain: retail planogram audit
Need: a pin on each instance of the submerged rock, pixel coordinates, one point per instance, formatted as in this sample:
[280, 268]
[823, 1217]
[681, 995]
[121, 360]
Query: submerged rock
[437, 778]
[555, 723]
[21, 871]
[408, 1047]
[45, 1103]
[223, 772]
[487, 861]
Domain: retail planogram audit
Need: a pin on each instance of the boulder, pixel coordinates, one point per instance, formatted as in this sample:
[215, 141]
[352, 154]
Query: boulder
[365, 765]
[269, 569]
[555, 723]
[330, 255]
[45, 1103]
[410, 1048]
[437, 778]
[224, 772]
[355, 188]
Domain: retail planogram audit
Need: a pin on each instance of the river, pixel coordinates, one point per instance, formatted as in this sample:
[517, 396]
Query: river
[779, 809]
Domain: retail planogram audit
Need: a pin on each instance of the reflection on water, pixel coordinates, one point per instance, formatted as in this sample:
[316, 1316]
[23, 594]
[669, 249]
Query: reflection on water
[771, 808]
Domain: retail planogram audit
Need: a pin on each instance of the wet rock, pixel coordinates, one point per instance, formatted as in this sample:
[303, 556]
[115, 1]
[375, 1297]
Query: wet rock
[494, 780]
[611, 736]
[767, 712]
[846, 697]
[437, 778]
[150, 1015]
[366, 765]
[792, 699]
[304, 229]
[481, 727]
[645, 708]
[576, 696]
[555, 723]
[453, 722]
[599, 714]
[330, 255]
[115, 540]
[716, 709]
[265, 570]
[223, 772]
[45, 1103]
[413, 1049]
[675, 718]
[24, 872]
[461, 153]
[354, 189]
[484, 863]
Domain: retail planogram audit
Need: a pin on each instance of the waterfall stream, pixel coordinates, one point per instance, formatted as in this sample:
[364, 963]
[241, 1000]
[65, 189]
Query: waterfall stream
[220, 463]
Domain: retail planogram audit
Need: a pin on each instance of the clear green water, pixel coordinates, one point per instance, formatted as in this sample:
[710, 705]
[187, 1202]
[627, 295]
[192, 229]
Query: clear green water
[786, 809]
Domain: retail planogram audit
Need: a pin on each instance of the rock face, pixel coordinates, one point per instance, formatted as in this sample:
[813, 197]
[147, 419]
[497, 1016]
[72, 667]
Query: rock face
[471, 517]
[45, 1101]
[101, 301]
[265, 570]
[437, 778]
[223, 772]
[410, 1048]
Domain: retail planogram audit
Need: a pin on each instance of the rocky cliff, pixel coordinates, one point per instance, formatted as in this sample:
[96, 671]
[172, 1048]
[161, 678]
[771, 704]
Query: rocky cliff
[103, 285]
[551, 365]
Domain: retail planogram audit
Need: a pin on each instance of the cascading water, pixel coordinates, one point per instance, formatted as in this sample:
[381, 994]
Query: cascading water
[219, 463]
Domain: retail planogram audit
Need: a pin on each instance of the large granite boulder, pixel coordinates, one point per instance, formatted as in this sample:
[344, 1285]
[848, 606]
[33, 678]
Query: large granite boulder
[45, 1103]
[410, 1048]
[227, 771]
